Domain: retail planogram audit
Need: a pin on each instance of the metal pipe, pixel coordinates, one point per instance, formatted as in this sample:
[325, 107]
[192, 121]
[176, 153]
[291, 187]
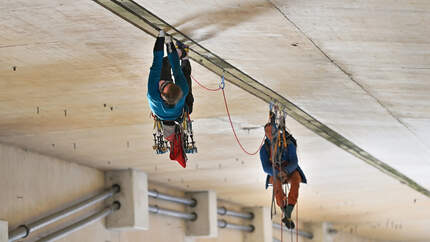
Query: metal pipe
[224, 211]
[155, 194]
[81, 224]
[157, 210]
[192, 202]
[223, 224]
[24, 230]
[304, 234]
[20, 232]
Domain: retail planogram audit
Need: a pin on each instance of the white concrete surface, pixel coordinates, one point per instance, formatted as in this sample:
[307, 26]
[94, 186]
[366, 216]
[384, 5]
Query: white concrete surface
[133, 197]
[206, 224]
[4, 231]
[263, 225]
[361, 67]
[321, 233]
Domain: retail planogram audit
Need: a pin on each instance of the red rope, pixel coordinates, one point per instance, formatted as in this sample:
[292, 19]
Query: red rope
[282, 229]
[209, 89]
[229, 117]
[234, 131]
[297, 221]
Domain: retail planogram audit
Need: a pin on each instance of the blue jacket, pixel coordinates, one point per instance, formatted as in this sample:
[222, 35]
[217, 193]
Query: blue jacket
[289, 155]
[156, 103]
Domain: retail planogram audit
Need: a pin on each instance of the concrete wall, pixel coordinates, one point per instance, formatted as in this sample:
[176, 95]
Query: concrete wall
[320, 234]
[33, 185]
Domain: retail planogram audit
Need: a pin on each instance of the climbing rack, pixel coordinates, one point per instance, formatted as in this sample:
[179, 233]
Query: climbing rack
[189, 143]
[161, 145]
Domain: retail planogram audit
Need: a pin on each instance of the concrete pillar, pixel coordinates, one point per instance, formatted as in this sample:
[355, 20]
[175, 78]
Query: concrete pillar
[326, 228]
[133, 197]
[322, 231]
[189, 239]
[206, 225]
[3, 231]
[263, 225]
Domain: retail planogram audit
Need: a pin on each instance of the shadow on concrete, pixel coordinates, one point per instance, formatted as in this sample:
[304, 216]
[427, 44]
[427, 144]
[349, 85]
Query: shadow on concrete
[216, 21]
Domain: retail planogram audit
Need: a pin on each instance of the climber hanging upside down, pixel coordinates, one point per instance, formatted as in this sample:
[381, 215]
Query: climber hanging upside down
[167, 98]
[289, 172]
[166, 73]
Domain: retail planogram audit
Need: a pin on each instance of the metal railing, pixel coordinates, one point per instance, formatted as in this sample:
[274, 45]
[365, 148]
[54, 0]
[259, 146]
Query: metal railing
[25, 230]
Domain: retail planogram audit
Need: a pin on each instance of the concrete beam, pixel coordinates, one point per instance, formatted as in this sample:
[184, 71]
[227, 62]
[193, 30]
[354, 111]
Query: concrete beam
[263, 225]
[133, 214]
[326, 235]
[206, 224]
[4, 231]
[321, 231]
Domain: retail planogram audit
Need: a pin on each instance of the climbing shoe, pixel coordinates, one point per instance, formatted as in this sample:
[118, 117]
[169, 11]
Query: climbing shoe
[287, 216]
[288, 223]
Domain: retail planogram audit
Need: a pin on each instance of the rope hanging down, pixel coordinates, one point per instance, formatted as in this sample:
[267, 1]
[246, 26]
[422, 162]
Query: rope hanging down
[278, 138]
[221, 87]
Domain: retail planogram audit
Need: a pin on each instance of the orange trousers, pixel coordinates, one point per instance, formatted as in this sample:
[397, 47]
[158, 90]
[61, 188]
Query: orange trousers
[294, 180]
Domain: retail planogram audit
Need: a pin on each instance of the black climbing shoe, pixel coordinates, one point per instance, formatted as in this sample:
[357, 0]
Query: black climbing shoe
[288, 223]
[288, 210]
[287, 216]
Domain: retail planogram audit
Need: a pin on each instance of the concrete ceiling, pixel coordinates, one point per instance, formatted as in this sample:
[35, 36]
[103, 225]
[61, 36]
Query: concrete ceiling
[73, 85]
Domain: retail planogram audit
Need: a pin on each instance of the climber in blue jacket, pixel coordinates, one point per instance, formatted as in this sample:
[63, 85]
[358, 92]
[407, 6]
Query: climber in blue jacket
[289, 172]
[166, 99]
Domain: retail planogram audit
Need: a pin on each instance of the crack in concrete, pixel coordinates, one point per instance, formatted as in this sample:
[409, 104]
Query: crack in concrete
[350, 76]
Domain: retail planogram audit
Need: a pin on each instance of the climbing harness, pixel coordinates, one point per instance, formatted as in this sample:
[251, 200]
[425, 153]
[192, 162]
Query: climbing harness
[280, 141]
[183, 127]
